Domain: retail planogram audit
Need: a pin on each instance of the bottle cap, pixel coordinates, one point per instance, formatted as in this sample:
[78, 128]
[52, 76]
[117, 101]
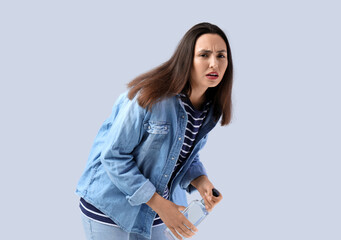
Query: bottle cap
[215, 192]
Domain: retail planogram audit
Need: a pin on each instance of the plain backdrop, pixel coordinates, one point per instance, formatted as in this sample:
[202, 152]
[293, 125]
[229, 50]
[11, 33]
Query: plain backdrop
[64, 63]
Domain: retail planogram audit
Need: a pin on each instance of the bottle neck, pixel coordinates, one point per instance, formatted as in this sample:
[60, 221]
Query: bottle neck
[202, 201]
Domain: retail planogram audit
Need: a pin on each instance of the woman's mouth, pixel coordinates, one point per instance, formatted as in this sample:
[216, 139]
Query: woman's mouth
[212, 75]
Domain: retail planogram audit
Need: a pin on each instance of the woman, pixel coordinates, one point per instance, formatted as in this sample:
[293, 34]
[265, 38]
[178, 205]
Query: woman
[145, 155]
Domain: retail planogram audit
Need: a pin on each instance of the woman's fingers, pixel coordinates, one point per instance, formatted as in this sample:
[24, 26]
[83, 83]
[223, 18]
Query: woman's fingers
[187, 229]
[177, 223]
[211, 201]
[175, 233]
[190, 225]
[181, 208]
[184, 231]
[208, 202]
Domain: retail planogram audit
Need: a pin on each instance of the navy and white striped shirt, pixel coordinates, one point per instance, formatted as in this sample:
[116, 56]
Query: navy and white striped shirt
[195, 120]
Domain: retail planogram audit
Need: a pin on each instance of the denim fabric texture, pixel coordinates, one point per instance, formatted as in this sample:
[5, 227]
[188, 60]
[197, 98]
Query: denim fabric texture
[133, 156]
[99, 231]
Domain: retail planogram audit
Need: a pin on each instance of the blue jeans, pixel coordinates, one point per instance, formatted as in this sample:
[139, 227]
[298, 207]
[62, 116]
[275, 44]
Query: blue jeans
[99, 231]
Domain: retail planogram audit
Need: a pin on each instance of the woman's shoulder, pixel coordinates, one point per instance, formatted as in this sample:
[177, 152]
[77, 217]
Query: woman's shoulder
[165, 104]
[124, 99]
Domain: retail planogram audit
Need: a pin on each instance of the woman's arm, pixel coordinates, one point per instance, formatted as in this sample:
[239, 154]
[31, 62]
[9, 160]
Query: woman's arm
[124, 134]
[196, 179]
[196, 169]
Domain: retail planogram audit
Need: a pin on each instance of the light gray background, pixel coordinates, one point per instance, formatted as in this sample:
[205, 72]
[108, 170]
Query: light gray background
[64, 63]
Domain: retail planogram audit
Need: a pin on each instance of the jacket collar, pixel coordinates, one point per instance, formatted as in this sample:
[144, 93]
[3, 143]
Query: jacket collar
[206, 103]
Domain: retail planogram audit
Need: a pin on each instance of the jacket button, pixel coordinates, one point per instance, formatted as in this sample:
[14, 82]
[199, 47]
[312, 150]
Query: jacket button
[172, 158]
[183, 116]
[166, 175]
[148, 127]
[179, 138]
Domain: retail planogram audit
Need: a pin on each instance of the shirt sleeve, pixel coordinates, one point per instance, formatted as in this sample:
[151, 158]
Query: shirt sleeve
[196, 169]
[124, 135]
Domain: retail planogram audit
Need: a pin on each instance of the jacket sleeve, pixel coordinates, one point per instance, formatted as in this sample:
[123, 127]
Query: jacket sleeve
[196, 169]
[124, 135]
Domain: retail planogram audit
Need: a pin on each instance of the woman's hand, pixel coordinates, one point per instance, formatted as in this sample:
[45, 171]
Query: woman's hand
[176, 221]
[204, 187]
[170, 214]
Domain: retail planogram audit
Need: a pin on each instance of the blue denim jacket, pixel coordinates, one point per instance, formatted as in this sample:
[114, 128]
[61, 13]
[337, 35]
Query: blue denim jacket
[133, 156]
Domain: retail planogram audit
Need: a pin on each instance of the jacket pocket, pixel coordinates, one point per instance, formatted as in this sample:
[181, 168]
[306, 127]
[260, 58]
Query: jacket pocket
[157, 133]
[154, 127]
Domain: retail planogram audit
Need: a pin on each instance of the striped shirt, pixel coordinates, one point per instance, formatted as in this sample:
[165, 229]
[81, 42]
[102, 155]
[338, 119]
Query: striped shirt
[195, 120]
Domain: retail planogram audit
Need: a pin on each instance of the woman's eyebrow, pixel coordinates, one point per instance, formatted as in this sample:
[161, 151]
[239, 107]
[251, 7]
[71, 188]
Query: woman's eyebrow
[209, 51]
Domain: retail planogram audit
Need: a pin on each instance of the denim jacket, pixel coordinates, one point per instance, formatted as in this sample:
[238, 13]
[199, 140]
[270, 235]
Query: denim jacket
[133, 156]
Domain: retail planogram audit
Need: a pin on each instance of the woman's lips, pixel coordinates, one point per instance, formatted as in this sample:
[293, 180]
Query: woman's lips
[212, 75]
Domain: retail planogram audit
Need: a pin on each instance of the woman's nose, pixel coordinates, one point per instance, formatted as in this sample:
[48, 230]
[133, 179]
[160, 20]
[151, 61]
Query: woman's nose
[213, 63]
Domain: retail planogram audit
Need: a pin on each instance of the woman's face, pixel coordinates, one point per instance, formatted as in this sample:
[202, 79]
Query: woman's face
[209, 62]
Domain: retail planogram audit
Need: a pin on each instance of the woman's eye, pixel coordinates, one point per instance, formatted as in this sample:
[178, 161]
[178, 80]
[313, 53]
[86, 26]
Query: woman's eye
[221, 56]
[203, 55]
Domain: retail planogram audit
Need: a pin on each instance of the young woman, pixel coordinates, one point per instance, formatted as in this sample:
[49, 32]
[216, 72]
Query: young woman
[146, 154]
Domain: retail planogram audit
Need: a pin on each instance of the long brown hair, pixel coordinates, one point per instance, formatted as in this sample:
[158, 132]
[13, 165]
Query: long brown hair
[173, 76]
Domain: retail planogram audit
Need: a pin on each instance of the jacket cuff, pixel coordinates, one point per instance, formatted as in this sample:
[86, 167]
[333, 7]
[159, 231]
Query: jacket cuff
[142, 195]
[192, 173]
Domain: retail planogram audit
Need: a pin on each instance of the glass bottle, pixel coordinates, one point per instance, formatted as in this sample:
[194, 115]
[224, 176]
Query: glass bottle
[195, 213]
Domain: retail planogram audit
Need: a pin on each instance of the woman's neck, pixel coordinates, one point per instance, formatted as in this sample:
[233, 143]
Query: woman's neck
[197, 99]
